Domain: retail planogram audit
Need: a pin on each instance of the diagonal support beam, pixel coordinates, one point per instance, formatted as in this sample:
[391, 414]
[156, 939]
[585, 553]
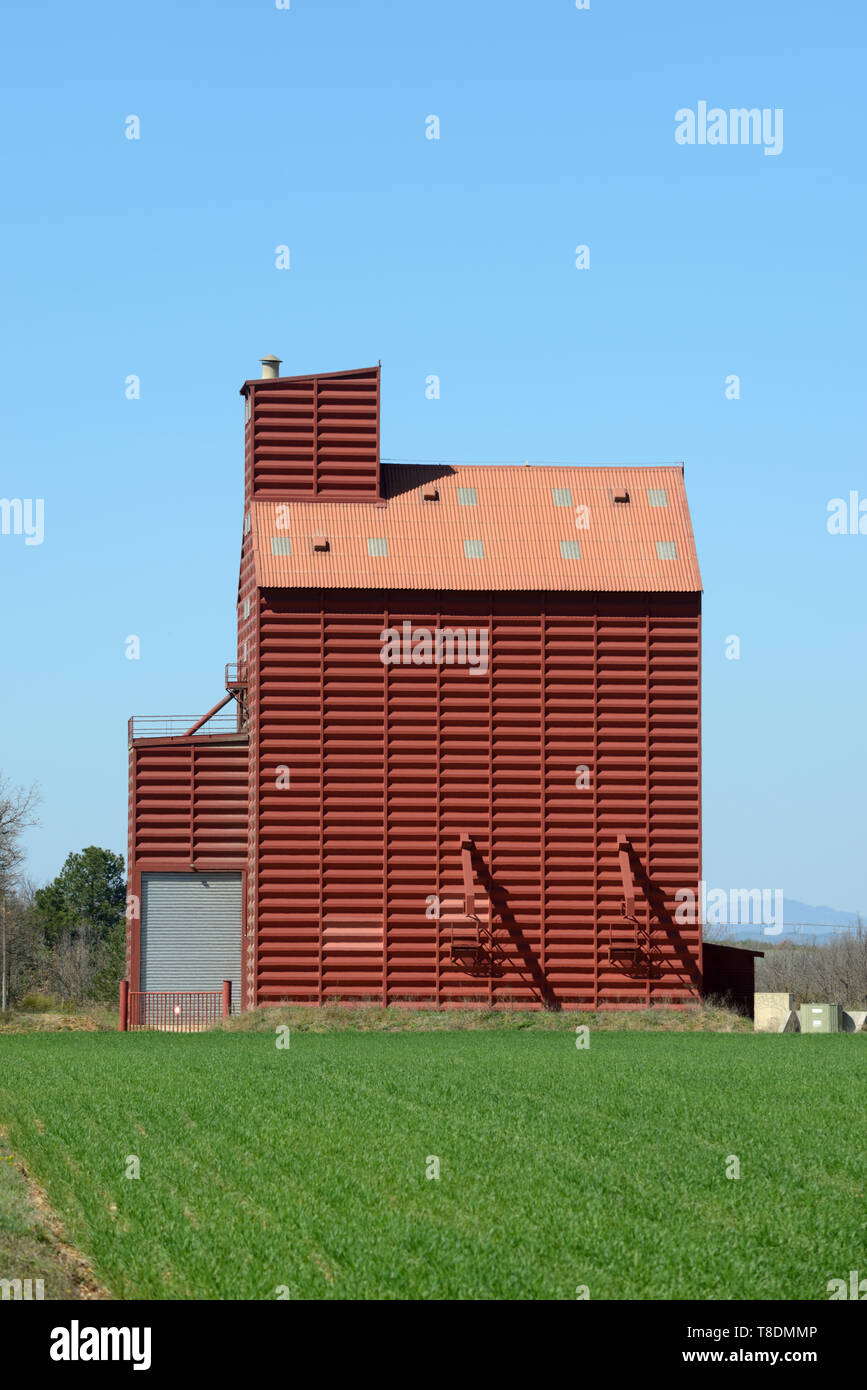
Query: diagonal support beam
[467, 873]
[205, 717]
[624, 854]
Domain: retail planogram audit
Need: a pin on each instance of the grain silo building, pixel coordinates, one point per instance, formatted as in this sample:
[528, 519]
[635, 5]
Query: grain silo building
[458, 758]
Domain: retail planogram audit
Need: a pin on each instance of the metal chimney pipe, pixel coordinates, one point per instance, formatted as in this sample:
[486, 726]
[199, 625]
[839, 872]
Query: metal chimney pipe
[270, 367]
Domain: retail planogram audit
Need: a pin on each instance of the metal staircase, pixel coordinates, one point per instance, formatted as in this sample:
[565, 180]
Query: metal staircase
[629, 940]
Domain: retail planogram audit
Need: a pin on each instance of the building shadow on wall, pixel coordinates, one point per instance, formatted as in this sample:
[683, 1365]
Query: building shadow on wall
[399, 478]
[683, 962]
[525, 959]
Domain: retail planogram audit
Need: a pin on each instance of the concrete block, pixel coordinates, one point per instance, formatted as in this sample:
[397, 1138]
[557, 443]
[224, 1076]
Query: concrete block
[855, 1020]
[771, 1011]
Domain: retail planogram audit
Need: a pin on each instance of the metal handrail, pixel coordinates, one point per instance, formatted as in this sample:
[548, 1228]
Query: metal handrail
[175, 725]
[236, 675]
[174, 1010]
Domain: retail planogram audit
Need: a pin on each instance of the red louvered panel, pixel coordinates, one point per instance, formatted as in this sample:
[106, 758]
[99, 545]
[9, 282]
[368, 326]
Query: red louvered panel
[288, 720]
[621, 793]
[516, 807]
[411, 964]
[353, 844]
[571, 804]
[162, 805]
[188, 807]
[249, 605]
[190, 803]
[220, 794]
[465, 770]
[584, 725]
[674, 787]
[315, 437]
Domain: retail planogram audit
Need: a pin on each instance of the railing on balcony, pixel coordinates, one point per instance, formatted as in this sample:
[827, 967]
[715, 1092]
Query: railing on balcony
[236, 675]
[228, 716]
[225, 721]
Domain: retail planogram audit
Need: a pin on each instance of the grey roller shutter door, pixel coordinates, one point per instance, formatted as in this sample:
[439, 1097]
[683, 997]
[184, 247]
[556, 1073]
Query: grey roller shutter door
[191, 932]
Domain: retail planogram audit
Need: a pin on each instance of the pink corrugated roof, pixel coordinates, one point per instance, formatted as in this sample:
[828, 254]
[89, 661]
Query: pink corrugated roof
[515, 519]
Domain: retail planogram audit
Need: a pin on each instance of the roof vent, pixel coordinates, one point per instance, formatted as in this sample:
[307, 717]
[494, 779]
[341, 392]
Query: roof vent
[270, 367]
[320, 542]
[430, 493]
[621, 495]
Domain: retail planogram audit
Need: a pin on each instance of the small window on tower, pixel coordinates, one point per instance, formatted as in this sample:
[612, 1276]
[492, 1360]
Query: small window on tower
[570, 550]
[562, 496]
[467, 497]
[657, 497]
[281, 545]
[474, 550]
[666, 550]
[377, 545]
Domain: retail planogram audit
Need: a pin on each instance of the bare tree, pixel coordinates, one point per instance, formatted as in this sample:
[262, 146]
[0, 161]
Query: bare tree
[17, 814]
[26, 956]
[834, 973]
[74, 965]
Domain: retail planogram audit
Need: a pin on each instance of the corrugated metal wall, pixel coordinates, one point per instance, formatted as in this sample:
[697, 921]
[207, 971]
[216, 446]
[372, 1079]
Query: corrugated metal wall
[389, 764]
[188, 802]
[316, 436]
[188, 805]
[191, 932]
[248, 633]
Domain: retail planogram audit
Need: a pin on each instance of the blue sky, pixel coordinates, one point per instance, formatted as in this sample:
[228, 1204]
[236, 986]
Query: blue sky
[306, 127]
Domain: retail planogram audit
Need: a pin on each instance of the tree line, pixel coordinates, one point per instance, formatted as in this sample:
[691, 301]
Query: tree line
[66, 939]
[833, 972]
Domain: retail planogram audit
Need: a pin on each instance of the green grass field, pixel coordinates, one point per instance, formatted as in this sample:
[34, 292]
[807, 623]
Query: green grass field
[305, 1167]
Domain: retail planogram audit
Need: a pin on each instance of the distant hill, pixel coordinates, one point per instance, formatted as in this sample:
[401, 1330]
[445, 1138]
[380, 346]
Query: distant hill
[829, 922]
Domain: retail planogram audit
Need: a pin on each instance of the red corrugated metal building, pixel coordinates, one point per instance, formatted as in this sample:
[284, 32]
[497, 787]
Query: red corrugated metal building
[460, 759]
